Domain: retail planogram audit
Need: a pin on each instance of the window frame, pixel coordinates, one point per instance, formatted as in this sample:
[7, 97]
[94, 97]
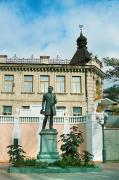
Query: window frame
[25, 107]
[60, 109]
[6, 82]
[80, 85]
[76, 114]
[27, 81]
[64, 84]
[41, 81]
[4, 111]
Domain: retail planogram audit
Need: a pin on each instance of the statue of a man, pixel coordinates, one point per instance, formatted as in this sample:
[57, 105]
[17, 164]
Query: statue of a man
[48, 107]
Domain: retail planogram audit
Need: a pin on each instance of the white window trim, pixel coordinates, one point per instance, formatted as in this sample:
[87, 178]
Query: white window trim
[80, 84]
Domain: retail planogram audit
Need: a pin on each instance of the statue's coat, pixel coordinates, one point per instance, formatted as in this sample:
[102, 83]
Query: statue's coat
[49, 101]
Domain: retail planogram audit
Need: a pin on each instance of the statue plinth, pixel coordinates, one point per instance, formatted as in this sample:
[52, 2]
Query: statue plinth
[48, 146]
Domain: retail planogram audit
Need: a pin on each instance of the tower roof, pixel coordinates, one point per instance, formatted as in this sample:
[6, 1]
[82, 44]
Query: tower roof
[82, 55]
[82, 40]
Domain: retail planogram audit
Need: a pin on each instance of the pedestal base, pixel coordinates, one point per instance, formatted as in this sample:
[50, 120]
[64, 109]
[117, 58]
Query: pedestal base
[48, 146]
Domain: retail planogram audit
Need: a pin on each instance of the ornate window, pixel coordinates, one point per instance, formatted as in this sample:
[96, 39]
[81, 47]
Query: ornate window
[76, 84]
[7, 110]
[28, 83]
[44, 83]
[8, 83]
[60, 84]
[98, 90]
[77, 111]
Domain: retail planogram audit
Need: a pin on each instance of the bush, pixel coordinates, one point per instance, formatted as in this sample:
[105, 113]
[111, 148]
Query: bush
[68, 161]
[32, 162]
[87, 158]
[16, 154]
[27, 162]
[70, 150]
[70, 156]
[71, 142]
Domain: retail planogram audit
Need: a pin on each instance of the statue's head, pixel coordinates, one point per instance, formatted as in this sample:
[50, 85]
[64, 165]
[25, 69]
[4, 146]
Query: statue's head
[50, 89]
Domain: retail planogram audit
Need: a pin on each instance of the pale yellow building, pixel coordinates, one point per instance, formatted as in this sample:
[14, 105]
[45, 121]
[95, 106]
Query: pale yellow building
[77, 83]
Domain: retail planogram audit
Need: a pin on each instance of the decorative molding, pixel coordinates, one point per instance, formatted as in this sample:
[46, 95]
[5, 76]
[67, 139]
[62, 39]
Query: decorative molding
[51, 68]
[77, 93]
[27, 92]
[3, 92]
[61, 93]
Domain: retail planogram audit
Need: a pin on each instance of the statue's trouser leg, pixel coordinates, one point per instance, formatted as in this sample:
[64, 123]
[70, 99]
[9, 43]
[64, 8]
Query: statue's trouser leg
[44, 122]
[51, 122]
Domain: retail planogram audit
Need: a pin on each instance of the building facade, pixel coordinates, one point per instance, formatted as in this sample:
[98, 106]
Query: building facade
[77, 83]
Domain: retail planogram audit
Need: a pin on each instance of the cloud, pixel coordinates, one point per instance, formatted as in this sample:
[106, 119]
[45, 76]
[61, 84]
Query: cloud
[55, 31]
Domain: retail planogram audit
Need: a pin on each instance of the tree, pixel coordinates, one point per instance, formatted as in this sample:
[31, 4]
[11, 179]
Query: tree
[113, 71]
[112, 93]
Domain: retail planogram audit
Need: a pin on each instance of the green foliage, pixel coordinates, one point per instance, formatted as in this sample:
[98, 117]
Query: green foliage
[16, 154]
[112, 93]
[71, 142]
[26, 162]
[70, 153]
[83, 160]
[87, 158]
[113, 68]
[68, 161]
[70, 150]
[31, 162]
[18, 159]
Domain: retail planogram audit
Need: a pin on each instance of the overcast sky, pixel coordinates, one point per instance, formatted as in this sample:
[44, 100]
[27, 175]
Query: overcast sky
[50, 27]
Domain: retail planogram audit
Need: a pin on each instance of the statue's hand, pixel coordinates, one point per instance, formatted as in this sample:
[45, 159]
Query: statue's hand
[42, 111]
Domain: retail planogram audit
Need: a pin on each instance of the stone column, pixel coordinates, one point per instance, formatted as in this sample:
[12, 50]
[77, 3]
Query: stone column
[94, 137]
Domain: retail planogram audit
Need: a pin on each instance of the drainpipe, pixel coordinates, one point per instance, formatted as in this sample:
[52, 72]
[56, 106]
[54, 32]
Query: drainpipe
[86, 91]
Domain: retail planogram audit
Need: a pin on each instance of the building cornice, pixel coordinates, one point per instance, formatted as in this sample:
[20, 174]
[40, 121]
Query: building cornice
[50, 68]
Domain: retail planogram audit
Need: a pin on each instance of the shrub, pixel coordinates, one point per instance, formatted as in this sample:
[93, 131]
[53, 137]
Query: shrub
[17, 158]
[87, 158]
[70, 150]
[68, 161]
[32, 162]
[71, 142]
[16, 154]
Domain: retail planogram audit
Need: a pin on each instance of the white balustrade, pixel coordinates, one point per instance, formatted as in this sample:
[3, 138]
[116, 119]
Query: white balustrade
[38, 119]
[33, 60]
[6, 119]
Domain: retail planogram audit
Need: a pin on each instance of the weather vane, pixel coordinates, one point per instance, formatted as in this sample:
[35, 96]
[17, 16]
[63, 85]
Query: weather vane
[80, 26]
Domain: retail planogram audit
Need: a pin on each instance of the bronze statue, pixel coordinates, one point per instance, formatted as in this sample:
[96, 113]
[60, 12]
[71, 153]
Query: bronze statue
[49, 100]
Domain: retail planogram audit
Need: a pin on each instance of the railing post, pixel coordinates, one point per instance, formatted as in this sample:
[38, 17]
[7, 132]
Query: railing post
[16, 130]
[66, 125]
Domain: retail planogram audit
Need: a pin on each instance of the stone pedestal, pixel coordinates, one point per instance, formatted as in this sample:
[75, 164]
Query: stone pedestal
[48, 146]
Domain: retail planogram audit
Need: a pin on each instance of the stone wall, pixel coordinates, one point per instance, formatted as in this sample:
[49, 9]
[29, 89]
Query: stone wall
[29, 138]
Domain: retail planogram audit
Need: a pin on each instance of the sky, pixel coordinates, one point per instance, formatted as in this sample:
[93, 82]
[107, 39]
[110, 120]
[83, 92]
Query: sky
[51, 27]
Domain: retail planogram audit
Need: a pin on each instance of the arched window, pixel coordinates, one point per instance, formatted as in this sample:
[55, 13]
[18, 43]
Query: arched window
[98, 90]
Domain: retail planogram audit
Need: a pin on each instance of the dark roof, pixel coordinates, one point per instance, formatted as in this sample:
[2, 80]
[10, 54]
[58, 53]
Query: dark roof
[82, 55]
